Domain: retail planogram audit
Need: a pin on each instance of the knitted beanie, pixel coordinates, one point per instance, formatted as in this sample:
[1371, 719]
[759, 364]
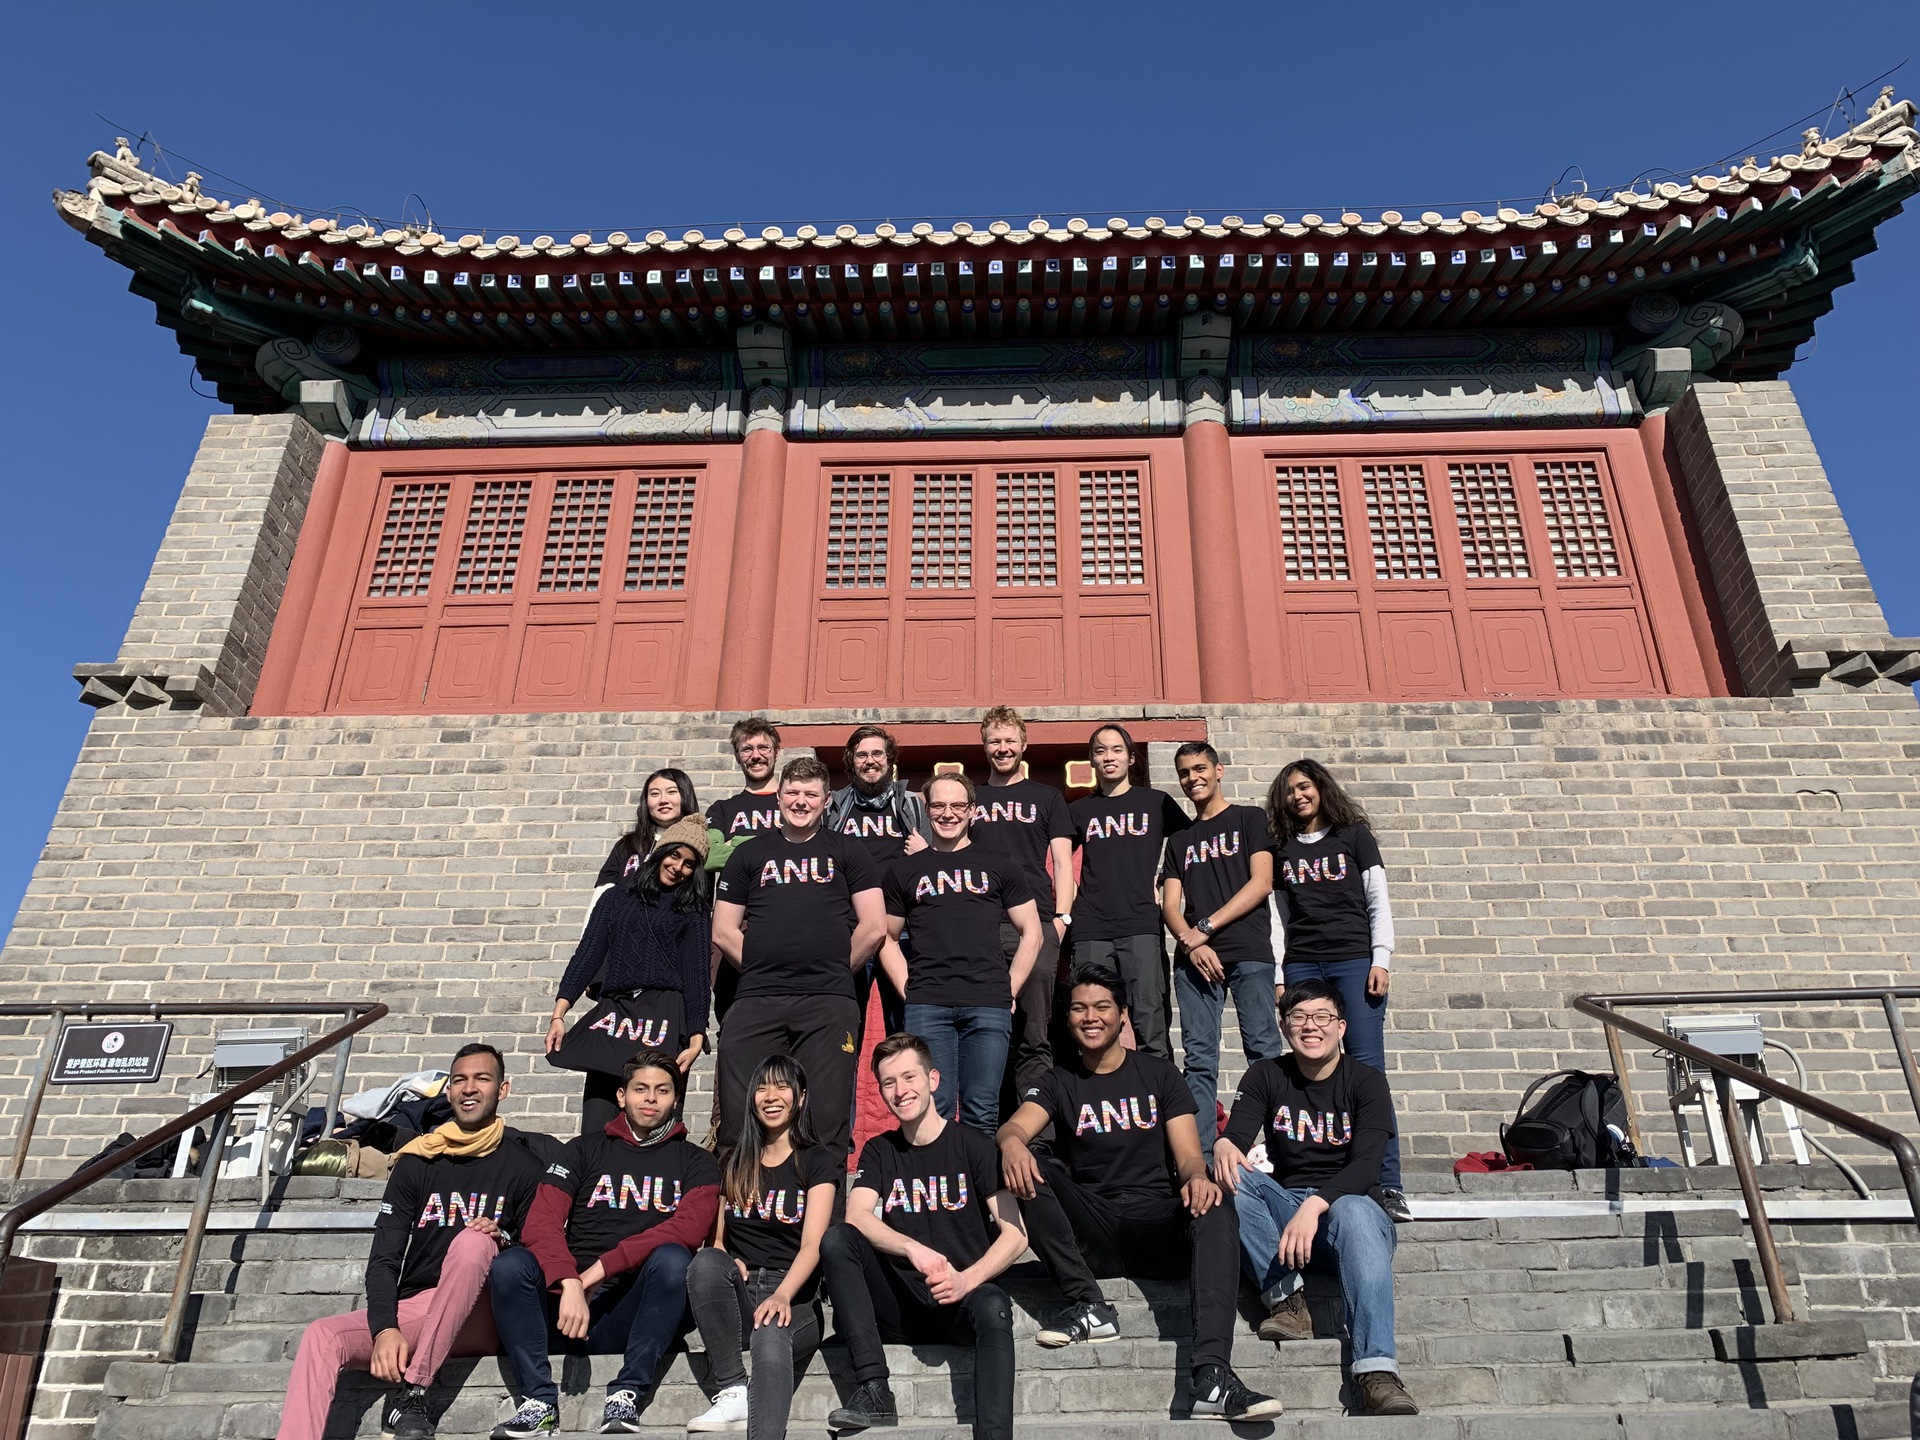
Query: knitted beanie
[688, 830]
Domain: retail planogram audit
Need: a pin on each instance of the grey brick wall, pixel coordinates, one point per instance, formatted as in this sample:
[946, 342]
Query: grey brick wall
[216, 583]
[1536, 850]
[1782, 558]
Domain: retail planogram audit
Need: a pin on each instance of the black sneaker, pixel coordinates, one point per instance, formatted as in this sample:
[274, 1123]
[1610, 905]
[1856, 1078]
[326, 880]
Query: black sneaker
[621, 1415]
[870, 1406]
[533, 1419]
[1393, 1202]
[405, 1416]
[1093, 1322]
[1218, 1394]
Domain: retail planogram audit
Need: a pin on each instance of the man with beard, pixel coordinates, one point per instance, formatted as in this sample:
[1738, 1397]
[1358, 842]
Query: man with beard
[877, 809]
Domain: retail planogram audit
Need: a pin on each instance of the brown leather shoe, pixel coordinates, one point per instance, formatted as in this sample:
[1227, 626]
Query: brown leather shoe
[1381, 1393]
[1289, 1320]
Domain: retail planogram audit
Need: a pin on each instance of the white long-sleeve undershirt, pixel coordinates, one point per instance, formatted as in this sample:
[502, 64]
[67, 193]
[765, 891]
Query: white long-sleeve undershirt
[1373, 881]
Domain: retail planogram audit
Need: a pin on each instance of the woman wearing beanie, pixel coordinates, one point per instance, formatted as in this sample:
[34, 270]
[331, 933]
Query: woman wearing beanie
[653, 934]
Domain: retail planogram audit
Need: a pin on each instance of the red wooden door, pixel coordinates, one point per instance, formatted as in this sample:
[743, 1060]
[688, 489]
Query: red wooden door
[963, 584]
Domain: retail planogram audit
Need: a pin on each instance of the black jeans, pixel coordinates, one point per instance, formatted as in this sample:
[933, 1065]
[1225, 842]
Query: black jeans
[723, 1306]
[1080, 1236]
[1032, 1054]
[876, 1300]
[1141, 963]
[822, 1032]
[639, 1314]
[599, 1106]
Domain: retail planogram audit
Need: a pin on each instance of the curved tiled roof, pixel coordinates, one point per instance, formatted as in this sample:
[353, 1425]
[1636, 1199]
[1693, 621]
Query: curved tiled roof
[244, 269]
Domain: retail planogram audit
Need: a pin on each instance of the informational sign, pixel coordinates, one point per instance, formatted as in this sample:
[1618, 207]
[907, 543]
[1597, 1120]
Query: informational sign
[98, 1053]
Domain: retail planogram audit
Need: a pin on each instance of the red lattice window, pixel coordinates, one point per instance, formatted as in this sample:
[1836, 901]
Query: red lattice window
[857, 532]
[490, 549]
[1313, 536]
[1026, 539]
[1113, 547]
[662, 533]
[403, 563]
[1579, 530]
[1400, 522]
[1488, 512]
[576, 533]
[941, 556]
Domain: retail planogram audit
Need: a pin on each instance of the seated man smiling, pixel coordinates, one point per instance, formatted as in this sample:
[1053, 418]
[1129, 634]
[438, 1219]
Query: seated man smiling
[1326, 1119]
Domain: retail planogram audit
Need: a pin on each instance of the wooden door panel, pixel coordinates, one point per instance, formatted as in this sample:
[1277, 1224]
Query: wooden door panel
[1422, 654]
[643, 666]
[1116, 658]
[850, 662]
[555, 664]
[1514, 653]
[466, 666]
[1330, 651]
[939, 660]
[380, 669]
[1609, 650]
[1026, 659]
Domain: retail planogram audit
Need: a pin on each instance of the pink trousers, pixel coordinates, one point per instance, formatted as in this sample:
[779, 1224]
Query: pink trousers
[449, 1319]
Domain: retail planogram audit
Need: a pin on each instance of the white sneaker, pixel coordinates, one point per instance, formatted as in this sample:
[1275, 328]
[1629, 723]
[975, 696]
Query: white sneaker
[728, 1412]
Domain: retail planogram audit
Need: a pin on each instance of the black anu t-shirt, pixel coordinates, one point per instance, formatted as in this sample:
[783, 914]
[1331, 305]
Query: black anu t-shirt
[1326, 901]
[879, 831]
[1120, 837]
[1111, 1130]
[1020, 820]
[1325, 1135]
[937, 1193]
[743, 816]
[799, 902]
[1213, 860]
[953, 902]
[765, 1230]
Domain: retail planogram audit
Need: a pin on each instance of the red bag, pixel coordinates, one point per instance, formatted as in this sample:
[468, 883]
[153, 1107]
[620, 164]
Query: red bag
[1486, 1162]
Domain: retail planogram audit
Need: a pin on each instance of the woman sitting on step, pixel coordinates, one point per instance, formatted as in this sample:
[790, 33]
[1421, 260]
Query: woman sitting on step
[653, 934]
[757, 1287]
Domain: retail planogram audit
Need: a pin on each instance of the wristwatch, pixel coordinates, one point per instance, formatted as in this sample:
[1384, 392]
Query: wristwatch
[1064, 919]
[1205, 925]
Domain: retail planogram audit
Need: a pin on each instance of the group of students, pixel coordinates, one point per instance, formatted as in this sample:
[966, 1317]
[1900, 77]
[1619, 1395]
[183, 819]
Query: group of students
[779, 909]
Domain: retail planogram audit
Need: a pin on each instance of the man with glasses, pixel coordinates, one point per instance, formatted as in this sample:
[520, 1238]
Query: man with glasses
[1326, 1119]
[879, 810]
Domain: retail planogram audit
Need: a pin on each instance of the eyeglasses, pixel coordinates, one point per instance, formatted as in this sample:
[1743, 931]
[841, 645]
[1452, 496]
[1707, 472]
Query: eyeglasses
[947, 807]
[1312, 1020]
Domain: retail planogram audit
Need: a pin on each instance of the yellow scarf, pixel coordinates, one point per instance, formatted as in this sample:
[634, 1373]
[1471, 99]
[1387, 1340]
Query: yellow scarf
[451, 1141]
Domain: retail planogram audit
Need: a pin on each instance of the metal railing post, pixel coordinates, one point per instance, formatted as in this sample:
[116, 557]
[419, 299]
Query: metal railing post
[36, 1095]
[1619, 1057]
[1756, 1203]
[1896, 1022]
[190, 1244]
[339, 1086]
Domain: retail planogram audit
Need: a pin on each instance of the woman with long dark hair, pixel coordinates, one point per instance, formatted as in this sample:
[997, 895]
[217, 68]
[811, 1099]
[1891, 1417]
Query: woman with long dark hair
[1336, 923]
[649, 939]
[666, 796]
[757, 1287]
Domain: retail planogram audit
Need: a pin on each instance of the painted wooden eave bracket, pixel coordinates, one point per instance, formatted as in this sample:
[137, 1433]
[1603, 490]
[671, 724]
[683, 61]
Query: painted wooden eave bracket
[102, 686]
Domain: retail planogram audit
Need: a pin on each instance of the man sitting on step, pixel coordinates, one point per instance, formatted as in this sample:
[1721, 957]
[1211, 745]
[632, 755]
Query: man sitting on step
[928, 1228]
[456, 1195]
[1326, 1119]
[1127, 1193]
[608, 1240]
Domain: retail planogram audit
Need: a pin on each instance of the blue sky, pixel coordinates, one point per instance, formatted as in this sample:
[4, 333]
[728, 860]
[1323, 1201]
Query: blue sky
[562, 118]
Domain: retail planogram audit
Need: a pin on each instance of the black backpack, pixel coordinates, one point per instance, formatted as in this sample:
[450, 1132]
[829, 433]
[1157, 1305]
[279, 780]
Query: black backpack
[1580, 1123]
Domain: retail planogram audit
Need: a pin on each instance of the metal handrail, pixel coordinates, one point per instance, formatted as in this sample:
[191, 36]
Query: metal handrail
[1726, 1072]
[61, 1011]
[220, 1107]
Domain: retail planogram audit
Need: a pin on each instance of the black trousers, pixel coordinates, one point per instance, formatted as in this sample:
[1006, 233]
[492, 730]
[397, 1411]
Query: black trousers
[1031, 1055]
[822, 1032]
[599, 1102]
[876, 1301]
[1079, 1236]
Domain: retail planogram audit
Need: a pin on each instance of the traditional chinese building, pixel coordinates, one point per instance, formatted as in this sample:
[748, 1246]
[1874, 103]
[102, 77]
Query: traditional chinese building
[1510, 517]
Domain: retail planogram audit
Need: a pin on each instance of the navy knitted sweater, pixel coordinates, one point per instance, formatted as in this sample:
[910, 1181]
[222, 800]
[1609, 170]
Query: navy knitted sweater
[644, 946]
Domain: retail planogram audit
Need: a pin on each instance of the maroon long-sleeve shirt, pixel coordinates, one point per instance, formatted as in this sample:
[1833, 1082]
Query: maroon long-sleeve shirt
[612, 1200]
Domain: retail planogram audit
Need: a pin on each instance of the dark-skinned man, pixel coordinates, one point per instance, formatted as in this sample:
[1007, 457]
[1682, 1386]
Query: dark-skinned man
[455, 1198]
[1124, 1190]
[604, 1259]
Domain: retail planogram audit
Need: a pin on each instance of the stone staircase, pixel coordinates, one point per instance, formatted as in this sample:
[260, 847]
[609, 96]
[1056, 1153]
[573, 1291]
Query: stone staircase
[1548, 1327]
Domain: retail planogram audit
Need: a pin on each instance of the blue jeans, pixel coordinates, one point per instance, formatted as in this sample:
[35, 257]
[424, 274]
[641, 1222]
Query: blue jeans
[1203, 1004]
[969, 1045]
[639, 1314]
[1366, 1029]
[1355, 1237]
